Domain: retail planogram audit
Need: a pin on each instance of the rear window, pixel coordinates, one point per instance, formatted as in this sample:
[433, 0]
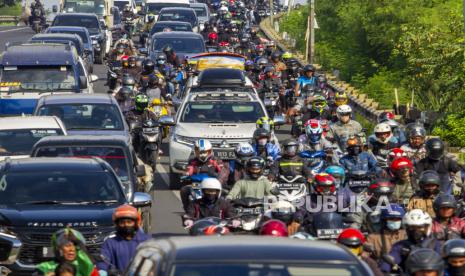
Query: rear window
[200, 11]
[158, 28]
[82, 35]
[91, 23]
[183, 45]
[183, 15]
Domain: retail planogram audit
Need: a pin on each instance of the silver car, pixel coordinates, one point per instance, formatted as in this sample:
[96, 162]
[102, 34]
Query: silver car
[202, 12]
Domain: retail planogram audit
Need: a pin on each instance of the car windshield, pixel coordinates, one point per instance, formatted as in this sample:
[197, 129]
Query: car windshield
[178, 15]
[183, 45]
[252, 269]
[85, 6]
[222, 112]
[121, 4]
[155, 8]
[160, 27]
[56, 186]
[82, 35]
[39, 78]
[200, 11]
[20, 141]
[91, 23]
[85, 116]
[113, 155]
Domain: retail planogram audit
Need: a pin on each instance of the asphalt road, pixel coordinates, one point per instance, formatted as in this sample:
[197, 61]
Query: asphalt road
[166, 207]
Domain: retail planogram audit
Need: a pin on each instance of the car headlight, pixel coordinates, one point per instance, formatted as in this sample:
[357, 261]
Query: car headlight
[7, 232]
[184, 140]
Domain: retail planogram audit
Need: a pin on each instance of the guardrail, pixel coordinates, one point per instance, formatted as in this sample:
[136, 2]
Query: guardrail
[9, 19]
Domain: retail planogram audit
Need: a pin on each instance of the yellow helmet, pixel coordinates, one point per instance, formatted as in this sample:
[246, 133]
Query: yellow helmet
[287, 55]
[157, 101]
[266, 123]
[341, 98]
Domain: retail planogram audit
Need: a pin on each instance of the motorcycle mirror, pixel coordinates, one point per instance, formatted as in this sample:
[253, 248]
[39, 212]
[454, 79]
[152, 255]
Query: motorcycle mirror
[143, 51]
[140, 171]
[167, 121]
[279, 120]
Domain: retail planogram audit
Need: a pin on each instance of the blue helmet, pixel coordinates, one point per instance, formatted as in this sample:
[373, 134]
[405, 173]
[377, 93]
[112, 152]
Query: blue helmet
[338, 173]
[396, 211]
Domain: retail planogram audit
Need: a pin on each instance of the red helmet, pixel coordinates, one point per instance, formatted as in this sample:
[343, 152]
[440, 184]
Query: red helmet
[275, 228]
[351, 237]
[325, 184]
[217, 230]
[128, 212]
[401, 164]
[381, 187]
[213, 36]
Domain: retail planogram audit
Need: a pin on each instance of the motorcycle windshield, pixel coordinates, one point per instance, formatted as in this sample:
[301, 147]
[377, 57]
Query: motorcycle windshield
[328, 221]
[312, 154]
[199, 177]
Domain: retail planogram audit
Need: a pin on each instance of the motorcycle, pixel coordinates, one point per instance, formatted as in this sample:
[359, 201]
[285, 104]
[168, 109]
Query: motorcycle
[37, 22]
[271, 102]
[327, 226]
[250, 213]
[315, 160]
[151, 137]
[114, 72]
[291, 188]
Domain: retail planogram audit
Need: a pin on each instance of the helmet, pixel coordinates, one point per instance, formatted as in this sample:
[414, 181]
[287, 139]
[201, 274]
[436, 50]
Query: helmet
[313, 130]
[435, 148]
[203, 149]
[125, 61]
[243, 152]
[261, 133]
[283, 211]
[266, 123]
[153, 80]
[290, 147]
[148, 65]
[215, 230]
[351, 237]
[444, 201]
[64, 236]
[249, 63]
[275, 55]
[309, 68]
[259, 47]
[383, 133]
[385, 116]
[213, 36]
[141, 102]
[400, 164]
[268, 69]
[417, 217]
[415, 129]
[128, 80]
[211, 184]
[208, 226]
[353, 141]
[287, 55]
[124, 94]
[150, 18]
[157, 102]
[127, 7]
[325, 184]
[338, 174]
[126, 211]
[424, 259]
[262, 62]
[255, 166]
[319, 103]
[340, 98]
[429, 177]
[381, 187]
[453, 248]
[396, 212]
[275, 228]
[132, 61]
[396, 153]
[343, 110]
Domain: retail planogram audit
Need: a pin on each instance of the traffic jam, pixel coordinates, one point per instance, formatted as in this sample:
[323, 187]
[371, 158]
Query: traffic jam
[266, 167]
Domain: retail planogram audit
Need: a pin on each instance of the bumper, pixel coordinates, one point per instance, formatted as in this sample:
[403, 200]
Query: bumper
[179, 155]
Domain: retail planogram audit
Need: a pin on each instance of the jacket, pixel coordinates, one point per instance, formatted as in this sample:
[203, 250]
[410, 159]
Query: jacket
[339, 132]
[291, 166]
[212, 167]
[269, 150]
[380, 150]
[231, 173]
[198, 209]
[119, 251]
[403, 192]
[415, 155]
[444, 167]
[454, 229]
[248, 187]
[364, 161]
[83, 264]
[418, 201]
[383, 242]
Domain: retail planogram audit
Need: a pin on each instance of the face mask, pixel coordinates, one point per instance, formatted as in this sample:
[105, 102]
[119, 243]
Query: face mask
[354, 151]
[210, 198]
[126, 231]
[203, 156]
[161, 62]
[393, 225]
[120, 51]
[415, 236]
[356, 251]
[375, 217]
[262, 142]
[456, 270]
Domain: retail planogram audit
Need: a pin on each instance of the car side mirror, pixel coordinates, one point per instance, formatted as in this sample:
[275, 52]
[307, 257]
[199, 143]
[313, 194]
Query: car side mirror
[140, 171]
[141, 200]
[82, 82]
[279, 120]
[143, 51]
[54, 8]
[167, 121]
[93, 78]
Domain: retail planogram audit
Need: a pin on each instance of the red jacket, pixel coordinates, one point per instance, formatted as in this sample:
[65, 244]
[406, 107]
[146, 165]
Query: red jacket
[212, 167]
[455, 229]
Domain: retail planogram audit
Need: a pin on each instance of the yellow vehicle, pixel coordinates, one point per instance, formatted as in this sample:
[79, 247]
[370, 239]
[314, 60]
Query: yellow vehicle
[217, 60]
[158, 108]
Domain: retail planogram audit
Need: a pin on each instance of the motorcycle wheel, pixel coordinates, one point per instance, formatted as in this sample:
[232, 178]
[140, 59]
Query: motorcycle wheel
[152, 158]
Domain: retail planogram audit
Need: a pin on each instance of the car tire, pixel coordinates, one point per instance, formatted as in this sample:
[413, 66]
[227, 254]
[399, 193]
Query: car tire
[175, 180]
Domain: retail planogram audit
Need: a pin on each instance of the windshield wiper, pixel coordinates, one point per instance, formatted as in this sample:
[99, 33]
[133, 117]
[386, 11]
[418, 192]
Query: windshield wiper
[45, 202]
[99, 202]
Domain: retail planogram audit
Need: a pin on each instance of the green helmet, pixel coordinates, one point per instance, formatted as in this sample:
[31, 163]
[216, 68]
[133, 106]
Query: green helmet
[142, 102]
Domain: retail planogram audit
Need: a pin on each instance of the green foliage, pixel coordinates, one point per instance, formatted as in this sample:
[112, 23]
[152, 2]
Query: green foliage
[452, 129]
[381, 86]
[14, 9]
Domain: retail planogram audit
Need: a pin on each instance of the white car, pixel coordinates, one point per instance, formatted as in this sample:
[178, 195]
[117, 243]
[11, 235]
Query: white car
[19, 134]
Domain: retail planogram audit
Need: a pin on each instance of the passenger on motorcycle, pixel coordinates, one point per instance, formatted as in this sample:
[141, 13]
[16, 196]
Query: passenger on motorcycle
[234, 170]
[210, 205]
[379, 192]
[125, 96]
[356, 159]
[429, 188]
[317, 108]
[417, 224]
[338, 174]
[131, 68]
[389, 118]
[212, 40]
[401, 171]
[381, 142]
[454, 256]
[118, 251]
[148, 69]
[263, 146]
[260, 54]
[268, 124]
[344, 128]
[415, 149]
[254, 184]
[446, 225]
[279, 66]
[391, 232]
[340, 98]
[147, 28]
[37, 9]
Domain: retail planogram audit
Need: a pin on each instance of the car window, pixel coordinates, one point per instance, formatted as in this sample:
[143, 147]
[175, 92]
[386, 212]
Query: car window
[91, 23]
[219, 112]
[82, 35]
[155, 8]
[183, 16]
[85, 116]
[88, 6]
[20, 141]
[161, 27]
[200, 11]
[186, 45]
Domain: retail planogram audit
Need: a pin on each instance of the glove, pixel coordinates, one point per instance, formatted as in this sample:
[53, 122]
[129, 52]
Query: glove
[188, 223]
[235, 223]
[293, 228]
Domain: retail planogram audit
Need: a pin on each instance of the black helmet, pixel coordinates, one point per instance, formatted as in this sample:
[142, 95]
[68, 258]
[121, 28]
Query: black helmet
[150, 18]
[148, 65]
[435, 148]
[260, 133]
[153, 80]
[290, 147]
[275, 55]
[429, 177]
[128, 80]
[444, 200]
[262, 62]
[424, 259]
[309, 67]
[453, 248]
[255, 166]
[415, 129]
[167, 49]
[125, 93]
[268, 69]
[132, 60]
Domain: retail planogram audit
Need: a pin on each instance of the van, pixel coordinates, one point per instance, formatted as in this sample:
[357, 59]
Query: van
[102, 8]
[154, 6]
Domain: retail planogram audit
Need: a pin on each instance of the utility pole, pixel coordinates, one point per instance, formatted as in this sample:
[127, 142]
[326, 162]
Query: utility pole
[289, 6]
[271, 14]
[311, 32]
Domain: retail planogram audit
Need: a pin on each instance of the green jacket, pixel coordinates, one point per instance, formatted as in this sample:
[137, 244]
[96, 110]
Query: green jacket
[84, 265]
[251, 188]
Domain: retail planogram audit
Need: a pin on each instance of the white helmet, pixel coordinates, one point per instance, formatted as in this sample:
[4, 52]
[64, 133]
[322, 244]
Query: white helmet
[343, 110]
[211, 184]
[244, 151]
[203, 149]
[282, 207]
[383, 128]
[224, 9]
[417, 217]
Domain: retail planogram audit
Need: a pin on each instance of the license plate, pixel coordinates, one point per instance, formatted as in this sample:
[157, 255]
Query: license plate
[150, 129]
[224, 154]
[328, 233]
[251, 211]
[290, 186]
[47, 252]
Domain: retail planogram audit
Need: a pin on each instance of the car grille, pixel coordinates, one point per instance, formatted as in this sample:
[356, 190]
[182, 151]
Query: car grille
[232, 143]
[31, 252]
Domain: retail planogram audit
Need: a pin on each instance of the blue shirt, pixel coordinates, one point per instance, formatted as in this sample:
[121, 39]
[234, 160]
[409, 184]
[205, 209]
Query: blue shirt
[303, 80]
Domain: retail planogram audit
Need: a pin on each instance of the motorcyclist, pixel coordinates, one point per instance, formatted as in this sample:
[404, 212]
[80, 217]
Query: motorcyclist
[132, 69]
[391, 231]
[340, 98]
[313, 140]
[263, 146]
[37, 8]
[69, 246]
[389, 118]
[268, 124]
[356, 159]
[212, 40]
[380, 193]
[415, 149]
[147, 28]
[120, 249]
[210, 205]
[429, 188]
[279, 66]
[437, 160]
[207, 29]
[171, 56]
[234, 170]
[259, 53]
[270, 83]
[254, 184]
[126, 95]
[344, 128]
[424, 261]
[127, 14]
[447, 225]
[381, 142]
[401, 170]
[255, 38]
[354, 240]
[317, 108]
[118, 52]
[418, 228]
[454, 255]
[290, 164]
[148, 69]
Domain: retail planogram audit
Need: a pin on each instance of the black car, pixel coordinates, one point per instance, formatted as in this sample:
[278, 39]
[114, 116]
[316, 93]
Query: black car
[92, 23]
[42, 195]
[243, 255]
